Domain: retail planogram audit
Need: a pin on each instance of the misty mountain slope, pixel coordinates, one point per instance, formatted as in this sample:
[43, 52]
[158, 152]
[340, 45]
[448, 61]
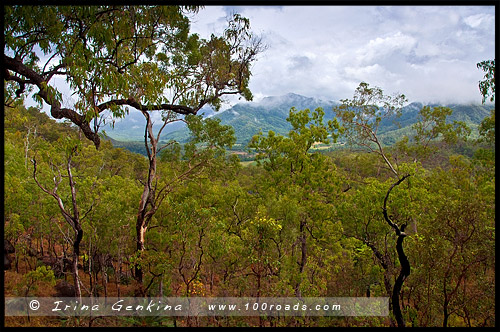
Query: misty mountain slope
[270, 113]
[247, 119]
[470, 114]
[132, 127]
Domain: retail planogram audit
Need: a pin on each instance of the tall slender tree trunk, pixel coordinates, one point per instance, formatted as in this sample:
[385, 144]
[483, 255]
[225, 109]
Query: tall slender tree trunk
[140, 231]
[144, 215]
[76, 254]
[72, 219]
[403, 274]
[76, 226]
[445, 313]
[146, 204]
[403, 260]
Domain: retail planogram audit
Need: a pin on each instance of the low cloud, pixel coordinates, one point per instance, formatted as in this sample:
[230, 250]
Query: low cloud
[325, 51]
[300, 63]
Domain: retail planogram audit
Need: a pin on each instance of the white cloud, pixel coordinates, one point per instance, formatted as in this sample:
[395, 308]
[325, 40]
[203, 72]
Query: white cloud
[381, 47]
[427, 52]
[325, 51]
[210, 20]
[475, 21]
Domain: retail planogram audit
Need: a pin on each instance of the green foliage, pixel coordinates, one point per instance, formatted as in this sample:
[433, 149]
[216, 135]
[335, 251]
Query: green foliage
[209, 131]
[301, 222]
[487, 129]
[487, 86]
[306, 130]
[459, 242]
[31, 280]
[432, 125]
[115, 57]
[298, 196]
[361, 116]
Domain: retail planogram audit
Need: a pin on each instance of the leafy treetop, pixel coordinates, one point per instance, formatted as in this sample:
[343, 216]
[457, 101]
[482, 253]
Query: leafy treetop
[114, 57]
[487, 86]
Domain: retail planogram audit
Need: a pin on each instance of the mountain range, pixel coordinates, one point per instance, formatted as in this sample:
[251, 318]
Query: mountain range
[270, 113]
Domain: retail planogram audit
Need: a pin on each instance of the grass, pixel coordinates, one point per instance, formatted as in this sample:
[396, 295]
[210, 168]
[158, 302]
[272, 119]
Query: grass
[248, 163]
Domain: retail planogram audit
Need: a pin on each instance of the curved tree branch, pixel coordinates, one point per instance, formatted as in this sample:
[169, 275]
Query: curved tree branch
[384, 209]
[403, 260]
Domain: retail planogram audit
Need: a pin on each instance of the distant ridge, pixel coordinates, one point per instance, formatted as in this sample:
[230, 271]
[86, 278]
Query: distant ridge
[270, 113]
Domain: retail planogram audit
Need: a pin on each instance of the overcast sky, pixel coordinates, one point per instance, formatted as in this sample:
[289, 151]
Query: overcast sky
[429, 53]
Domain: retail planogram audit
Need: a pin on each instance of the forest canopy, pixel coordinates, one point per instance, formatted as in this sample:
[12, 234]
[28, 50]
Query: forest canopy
[114, 57]
[413, 222]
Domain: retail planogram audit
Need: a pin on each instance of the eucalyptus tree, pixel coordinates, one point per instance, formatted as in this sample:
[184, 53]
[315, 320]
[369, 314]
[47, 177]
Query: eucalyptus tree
[113, 58]
[361, 117]
[453, 263]
[296, 195]
[72, 215]
[487, 86]
[206, 149]
[486, 156]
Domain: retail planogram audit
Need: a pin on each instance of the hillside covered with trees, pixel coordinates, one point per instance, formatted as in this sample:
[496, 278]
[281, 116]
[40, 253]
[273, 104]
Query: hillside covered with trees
[412, 221]
[271, 114]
